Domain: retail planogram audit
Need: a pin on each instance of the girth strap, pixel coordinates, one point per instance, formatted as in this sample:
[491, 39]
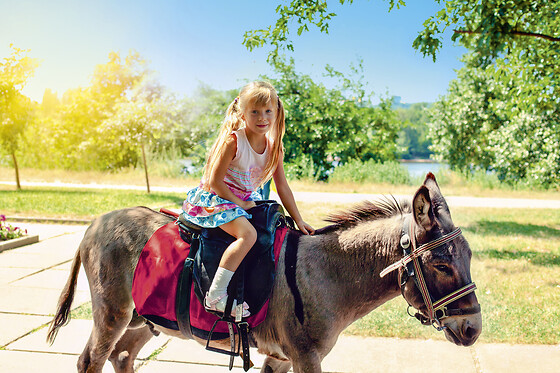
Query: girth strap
[182, 305]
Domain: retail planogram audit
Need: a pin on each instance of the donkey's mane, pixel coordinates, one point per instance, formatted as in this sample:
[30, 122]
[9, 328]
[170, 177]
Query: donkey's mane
[384, 207]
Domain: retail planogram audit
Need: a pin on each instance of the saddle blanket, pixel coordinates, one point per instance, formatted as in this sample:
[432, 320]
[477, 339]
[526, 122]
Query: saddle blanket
[155, 281]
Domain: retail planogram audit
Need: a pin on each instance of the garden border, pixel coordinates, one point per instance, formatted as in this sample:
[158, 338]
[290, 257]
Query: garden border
[18, 242]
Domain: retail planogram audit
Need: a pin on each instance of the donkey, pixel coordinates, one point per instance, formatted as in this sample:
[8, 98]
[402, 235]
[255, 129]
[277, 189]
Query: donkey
[337, 280]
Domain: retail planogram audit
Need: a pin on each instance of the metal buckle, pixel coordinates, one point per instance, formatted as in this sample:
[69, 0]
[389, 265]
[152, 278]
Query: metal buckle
[441, 313]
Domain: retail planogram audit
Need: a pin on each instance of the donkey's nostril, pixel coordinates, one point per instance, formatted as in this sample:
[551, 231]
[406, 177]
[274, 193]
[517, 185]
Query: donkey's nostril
[470, 332]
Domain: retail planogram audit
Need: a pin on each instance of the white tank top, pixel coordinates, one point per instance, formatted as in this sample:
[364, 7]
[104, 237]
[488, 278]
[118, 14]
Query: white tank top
[246, 169]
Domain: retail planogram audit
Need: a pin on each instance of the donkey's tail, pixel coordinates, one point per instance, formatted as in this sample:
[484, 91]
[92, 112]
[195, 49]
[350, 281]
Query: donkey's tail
[62, 316]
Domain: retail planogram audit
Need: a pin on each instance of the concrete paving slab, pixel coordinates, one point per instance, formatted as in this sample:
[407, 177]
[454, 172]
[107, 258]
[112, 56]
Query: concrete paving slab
[63, 245]
[361, 355]
[498, 358]
[51, 279]
[72, 339]
[182, 367]
[15, 326]
[41, 255]
[35, 301]
[18, 259]
[33, 362]
[46, 231]
[8, 275]
[189, 351]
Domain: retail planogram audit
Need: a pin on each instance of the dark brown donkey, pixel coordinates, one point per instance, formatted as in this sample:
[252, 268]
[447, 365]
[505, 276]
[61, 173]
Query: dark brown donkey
[337, 278]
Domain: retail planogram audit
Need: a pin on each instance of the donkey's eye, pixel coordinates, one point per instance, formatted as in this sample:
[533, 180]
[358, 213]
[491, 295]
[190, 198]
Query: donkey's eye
[446, 270]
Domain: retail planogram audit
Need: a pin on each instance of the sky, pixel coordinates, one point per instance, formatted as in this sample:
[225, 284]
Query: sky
[188, 43]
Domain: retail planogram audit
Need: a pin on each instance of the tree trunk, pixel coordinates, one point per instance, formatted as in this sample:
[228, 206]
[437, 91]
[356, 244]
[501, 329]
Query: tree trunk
[145, 168]
[14, 159]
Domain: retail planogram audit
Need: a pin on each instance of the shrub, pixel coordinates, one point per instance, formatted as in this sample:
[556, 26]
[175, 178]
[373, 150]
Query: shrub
[371, 172]
[8, 232]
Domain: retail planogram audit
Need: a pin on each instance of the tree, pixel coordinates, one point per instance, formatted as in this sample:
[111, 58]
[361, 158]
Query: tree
[322, 123]
[138, 122]
[79, 141]
[16, 110]
[413, 137]
[488, 27]
[483, 123]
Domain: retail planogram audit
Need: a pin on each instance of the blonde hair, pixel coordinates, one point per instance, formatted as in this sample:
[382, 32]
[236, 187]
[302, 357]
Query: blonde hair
[257, 93]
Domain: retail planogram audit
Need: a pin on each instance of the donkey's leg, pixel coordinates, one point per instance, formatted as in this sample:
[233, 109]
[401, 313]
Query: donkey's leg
[128, 347]
[307, 363]
[272, 365]
[109, 323]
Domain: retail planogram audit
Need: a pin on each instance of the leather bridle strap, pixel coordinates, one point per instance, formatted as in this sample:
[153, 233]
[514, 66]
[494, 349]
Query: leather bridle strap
[422, 249]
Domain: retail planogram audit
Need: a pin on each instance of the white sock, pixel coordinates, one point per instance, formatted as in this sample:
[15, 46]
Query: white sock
[220, 283]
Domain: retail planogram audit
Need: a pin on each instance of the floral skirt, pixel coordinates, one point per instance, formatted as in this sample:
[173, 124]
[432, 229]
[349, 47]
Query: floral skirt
[208, 210]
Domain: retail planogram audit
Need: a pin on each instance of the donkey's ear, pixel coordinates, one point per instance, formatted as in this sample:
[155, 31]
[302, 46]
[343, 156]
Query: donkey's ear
[423, 212]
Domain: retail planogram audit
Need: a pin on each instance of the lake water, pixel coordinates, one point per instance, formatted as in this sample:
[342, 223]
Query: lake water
[416, 169]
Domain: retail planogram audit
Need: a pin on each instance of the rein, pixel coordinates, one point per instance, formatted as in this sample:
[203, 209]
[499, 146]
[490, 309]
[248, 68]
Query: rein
[436, 310]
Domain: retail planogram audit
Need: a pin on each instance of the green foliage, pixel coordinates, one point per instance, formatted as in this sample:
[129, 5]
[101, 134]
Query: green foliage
[413, 141]
[8, 231]
[300, 13]
[491, 28]
[371, 171]
[484, 123]
[322, 123]
[16, 110]
[488, 27]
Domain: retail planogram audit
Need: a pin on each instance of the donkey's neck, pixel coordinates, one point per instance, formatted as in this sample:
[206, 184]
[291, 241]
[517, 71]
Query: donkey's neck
[350, 260]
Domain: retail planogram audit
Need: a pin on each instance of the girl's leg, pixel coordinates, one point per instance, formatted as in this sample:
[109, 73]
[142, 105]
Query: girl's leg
[246, 236]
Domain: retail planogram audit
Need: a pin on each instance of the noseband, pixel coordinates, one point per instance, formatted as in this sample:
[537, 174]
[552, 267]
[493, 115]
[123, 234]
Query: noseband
[436, 310]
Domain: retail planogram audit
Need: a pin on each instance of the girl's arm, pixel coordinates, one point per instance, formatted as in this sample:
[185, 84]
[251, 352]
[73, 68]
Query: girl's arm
[218, 174]
[287, 197]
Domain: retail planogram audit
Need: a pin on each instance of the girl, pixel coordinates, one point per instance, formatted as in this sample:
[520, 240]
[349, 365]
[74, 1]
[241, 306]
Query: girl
[247, 153]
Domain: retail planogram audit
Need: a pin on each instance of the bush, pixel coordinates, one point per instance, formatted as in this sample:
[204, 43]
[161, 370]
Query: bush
[8, 232]
[371, 172]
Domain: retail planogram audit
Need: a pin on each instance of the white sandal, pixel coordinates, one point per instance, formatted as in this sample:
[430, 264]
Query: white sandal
[219, 305]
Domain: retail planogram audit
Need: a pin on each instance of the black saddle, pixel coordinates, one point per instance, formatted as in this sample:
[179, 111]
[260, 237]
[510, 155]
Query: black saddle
[256, 273]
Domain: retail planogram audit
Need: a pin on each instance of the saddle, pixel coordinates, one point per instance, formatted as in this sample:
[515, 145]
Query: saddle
[255, 276]
[187, 271]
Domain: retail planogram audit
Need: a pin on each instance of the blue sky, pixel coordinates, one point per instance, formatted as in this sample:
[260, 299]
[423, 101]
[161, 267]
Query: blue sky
[191, 42]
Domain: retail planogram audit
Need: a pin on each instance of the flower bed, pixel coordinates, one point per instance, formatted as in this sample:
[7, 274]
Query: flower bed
[12, 237]
[8, 232]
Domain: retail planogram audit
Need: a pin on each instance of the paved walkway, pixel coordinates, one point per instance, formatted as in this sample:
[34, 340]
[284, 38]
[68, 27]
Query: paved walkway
[330, 197]
[32, 276]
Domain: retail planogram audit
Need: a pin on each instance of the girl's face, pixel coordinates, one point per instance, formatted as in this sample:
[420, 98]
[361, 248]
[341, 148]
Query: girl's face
[259, 118]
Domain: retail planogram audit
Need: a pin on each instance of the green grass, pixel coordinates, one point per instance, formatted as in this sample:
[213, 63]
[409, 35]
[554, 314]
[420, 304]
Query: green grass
[78, 203]
[82, 312]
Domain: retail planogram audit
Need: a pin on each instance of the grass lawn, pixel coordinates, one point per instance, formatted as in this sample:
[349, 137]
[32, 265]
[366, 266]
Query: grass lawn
[78, 203]
[516, 260]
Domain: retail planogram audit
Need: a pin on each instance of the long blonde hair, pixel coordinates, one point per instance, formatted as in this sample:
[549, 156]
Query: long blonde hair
[257, 93]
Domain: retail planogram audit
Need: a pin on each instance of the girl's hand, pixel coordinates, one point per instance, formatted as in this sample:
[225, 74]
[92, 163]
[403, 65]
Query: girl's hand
[246, 205]
[305, 228]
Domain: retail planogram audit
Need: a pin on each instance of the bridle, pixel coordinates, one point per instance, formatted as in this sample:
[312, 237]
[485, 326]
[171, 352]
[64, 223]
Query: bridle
[436, 310]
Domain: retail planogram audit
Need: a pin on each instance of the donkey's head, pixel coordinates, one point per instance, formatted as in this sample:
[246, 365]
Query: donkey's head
[437, 280]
